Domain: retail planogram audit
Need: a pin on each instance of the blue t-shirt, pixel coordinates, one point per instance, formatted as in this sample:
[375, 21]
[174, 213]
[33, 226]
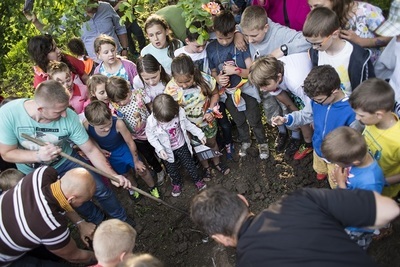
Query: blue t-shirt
[218, 55]
[368, 178]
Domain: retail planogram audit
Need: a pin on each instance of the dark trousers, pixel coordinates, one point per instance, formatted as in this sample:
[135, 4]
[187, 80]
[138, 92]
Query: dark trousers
[147, 151]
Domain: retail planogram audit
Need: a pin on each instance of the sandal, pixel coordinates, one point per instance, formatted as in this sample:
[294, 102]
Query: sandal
[207, 174]
[222, 168]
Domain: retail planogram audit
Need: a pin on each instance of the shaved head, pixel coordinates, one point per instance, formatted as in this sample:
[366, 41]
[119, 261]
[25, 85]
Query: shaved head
[78, 186]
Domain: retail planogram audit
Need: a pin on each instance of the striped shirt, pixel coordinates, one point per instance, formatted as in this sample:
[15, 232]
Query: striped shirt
[30, 215]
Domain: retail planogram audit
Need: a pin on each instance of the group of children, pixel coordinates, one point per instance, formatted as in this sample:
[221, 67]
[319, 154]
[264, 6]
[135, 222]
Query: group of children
[314, 83]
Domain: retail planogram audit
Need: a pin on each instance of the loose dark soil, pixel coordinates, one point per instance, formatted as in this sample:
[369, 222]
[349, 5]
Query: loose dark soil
[172, 237]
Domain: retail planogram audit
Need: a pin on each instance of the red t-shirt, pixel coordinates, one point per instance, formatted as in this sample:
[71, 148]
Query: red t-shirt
[41, 76]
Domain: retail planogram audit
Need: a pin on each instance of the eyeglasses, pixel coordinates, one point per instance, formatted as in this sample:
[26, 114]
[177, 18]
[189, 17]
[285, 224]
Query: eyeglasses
[319, 44]
[320, 102]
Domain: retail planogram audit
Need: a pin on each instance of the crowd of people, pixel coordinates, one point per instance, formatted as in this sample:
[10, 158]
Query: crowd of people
[326, 76]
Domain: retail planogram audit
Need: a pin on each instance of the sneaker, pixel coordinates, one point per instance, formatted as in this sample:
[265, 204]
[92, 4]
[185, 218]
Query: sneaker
[264, 151]
[176, 190]
[160, 178]
[201, 185]
[321, 176]
[135, 196]
[154, 192]
[280, 142]
[292, 146]
[243, 149]
[303, 152]
[230, 150]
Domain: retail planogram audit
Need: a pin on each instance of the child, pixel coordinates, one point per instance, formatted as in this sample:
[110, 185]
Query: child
[142, 260]
[97, 88]
[9, 178]
[355, 169]
[279, 77]
[352, 62]
[329, 110]
[60, 72]
[229, 67]
[388, 65]
[195, 50]
[129, 105]
[373, 102]
[151, 76]
[166, 131]
[266, 37]
[77, 48]
[358, 21]
[113, 240]
[162, 44]
[111, 65]
[196, 92]
[114, 138]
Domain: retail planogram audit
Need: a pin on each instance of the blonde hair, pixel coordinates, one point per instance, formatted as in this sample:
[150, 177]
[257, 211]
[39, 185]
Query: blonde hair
[112, 238]
[254, 18]
[9, 178]
[264, 69]
[55, 67]
[143, 260]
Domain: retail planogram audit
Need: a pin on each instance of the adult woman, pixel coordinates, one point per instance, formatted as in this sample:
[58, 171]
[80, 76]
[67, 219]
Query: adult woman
[43, 49]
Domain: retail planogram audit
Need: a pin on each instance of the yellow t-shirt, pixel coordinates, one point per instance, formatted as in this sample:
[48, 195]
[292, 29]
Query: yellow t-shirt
[384, 145]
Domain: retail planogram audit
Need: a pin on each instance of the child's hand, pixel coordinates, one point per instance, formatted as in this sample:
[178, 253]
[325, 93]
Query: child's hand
[106, 153]
[230, 69]
[240, 42]
[208, 117]
[203, 140]
[163, 154]
[140, 167]
[339, 176]
[278, 120]
[222, 79]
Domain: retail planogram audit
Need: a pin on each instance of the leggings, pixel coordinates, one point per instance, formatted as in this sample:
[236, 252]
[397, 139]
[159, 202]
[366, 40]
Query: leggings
[185, 158]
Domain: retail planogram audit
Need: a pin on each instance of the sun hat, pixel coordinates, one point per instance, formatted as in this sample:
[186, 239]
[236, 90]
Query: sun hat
[391, 27]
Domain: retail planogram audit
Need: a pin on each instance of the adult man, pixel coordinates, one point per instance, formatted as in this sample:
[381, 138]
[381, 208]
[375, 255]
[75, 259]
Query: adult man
[103, 20]
[47, 117]
[304, 228]
[32, 214]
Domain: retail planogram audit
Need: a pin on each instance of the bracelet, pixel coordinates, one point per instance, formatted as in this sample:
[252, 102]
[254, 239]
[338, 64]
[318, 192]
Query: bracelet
[79, 222]
[209, 111]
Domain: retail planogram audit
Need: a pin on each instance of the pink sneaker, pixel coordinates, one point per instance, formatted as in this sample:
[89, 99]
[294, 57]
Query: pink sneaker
[200, 185]
[176, 190]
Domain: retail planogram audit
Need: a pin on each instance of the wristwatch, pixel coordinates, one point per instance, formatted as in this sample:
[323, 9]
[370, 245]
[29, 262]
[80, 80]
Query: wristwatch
[125, 48]
[284, 49]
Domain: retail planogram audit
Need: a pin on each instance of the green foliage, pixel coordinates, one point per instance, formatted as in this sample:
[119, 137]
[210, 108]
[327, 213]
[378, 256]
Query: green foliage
[64, 19]
[193, 11]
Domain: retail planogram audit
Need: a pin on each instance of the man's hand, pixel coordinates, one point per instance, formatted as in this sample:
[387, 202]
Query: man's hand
[125, 183]
[86, 230]
[47, 153]
[278, 120]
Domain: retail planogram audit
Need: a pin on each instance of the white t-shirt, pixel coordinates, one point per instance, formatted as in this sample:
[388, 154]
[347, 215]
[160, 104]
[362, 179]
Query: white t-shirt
[340, 62]
[296, 68]
[160, 54]
[199, 59]
[150, 91]
[388, 66]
